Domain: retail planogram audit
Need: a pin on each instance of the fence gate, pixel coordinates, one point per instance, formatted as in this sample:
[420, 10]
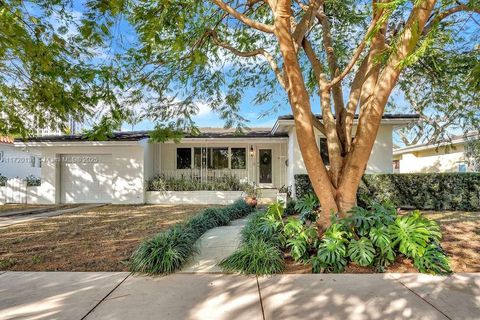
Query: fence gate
[16, 191]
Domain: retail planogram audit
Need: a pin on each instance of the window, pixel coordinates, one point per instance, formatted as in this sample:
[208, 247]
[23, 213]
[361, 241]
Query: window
[199, 157]
[324, 151]
[32, 161]
[184, 158]
[239, 158]
[462, 167]
[217, 158]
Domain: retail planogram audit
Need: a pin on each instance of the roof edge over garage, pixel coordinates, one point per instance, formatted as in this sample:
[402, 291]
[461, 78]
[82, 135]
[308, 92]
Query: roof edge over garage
[134, 137]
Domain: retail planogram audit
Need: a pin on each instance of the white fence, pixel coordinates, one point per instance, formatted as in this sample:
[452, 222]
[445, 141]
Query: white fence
[17, 191]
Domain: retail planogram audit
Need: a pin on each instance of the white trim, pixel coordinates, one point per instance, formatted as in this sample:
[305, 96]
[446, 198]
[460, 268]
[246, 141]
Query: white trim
[421, 147]
[75, 143]
[241, 140]
[290, 123]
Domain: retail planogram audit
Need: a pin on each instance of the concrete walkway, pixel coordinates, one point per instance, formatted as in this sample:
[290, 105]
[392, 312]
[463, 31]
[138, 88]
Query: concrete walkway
[80, 295]
[215, 245]
[11, 220]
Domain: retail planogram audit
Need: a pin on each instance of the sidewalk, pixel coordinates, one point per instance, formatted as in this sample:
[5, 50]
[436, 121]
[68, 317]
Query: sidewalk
[215, 245]
[9, 220]
[81, 295]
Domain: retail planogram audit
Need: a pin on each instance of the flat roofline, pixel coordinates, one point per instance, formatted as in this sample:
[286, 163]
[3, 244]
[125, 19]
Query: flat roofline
[385, 116]
[426, 146]
[395, 119]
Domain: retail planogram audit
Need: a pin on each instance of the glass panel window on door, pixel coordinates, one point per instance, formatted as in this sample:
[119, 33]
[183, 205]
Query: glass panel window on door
[265, 166]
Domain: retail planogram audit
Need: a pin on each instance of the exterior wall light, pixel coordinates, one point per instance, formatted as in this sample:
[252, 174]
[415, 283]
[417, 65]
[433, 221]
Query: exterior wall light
[251, 151]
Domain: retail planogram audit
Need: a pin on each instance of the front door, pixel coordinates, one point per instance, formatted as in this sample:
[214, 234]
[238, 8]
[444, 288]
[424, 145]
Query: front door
[265, 166]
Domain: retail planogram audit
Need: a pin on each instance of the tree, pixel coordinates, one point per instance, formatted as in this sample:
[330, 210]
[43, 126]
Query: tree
[48, 71]
[347, 56]
[320, 48]
[472, 152]
[441, 89]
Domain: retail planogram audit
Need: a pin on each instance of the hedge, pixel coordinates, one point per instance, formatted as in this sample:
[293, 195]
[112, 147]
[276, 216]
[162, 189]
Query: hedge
[167, 251]
[437, 191]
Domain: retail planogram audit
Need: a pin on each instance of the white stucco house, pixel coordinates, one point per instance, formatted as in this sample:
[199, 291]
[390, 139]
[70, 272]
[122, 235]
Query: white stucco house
[448, 156]
[15, 162]
[75, 170]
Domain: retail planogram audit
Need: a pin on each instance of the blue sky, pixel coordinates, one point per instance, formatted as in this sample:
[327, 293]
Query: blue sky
[124, 33]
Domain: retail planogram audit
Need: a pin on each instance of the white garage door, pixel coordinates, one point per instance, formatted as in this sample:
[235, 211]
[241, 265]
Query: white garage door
[86, 178]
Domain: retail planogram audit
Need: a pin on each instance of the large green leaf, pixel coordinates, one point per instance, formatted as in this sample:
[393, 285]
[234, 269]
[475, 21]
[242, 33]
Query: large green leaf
[361, 251]
[411, 235]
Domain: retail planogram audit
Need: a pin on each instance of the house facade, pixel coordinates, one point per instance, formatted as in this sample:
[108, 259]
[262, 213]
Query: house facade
[15, 162]
[448, 156]
[115, 171]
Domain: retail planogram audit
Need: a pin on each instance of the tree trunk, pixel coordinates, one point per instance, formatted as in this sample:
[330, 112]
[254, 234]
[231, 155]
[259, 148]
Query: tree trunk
[300, 103]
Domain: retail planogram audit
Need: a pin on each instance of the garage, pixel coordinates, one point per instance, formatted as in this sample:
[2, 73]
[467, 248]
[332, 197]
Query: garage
[86, 178]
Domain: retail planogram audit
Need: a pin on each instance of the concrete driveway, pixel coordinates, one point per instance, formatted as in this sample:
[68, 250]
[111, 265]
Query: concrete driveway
[82, 295]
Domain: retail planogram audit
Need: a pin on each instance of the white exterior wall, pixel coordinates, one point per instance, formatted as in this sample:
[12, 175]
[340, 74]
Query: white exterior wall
[17, 163]
[411, 163]
[148, 158]
[127, 171]
[380, 159]
[382, 153]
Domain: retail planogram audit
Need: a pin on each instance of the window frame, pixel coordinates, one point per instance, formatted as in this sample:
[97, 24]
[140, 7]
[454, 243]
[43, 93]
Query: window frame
[204, 157]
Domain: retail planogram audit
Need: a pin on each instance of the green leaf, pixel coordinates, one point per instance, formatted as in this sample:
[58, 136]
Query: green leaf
[361, 251]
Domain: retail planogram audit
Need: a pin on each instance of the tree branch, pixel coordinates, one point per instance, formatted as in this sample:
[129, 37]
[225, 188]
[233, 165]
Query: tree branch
[447, 13]
[358, 51]
[353, 99]
[318, 125]
[273, 64]
[241, 17]
[305, 23]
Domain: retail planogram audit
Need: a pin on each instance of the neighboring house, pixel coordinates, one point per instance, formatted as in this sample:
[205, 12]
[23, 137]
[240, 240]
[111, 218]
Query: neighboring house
[448, 156]
[14, 162]
[79, 171]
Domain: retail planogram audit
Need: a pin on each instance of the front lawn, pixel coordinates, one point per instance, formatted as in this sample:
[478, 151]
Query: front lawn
[97, 239]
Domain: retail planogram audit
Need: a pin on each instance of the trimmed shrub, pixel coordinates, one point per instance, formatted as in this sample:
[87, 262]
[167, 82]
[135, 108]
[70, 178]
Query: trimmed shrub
[437, 191]
[166, 252]
[187, 183]
[33, 181]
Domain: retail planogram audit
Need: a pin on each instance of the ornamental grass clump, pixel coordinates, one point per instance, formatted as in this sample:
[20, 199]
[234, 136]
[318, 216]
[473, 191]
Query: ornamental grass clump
[255, 257]
[167, 252]
[164, 252]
